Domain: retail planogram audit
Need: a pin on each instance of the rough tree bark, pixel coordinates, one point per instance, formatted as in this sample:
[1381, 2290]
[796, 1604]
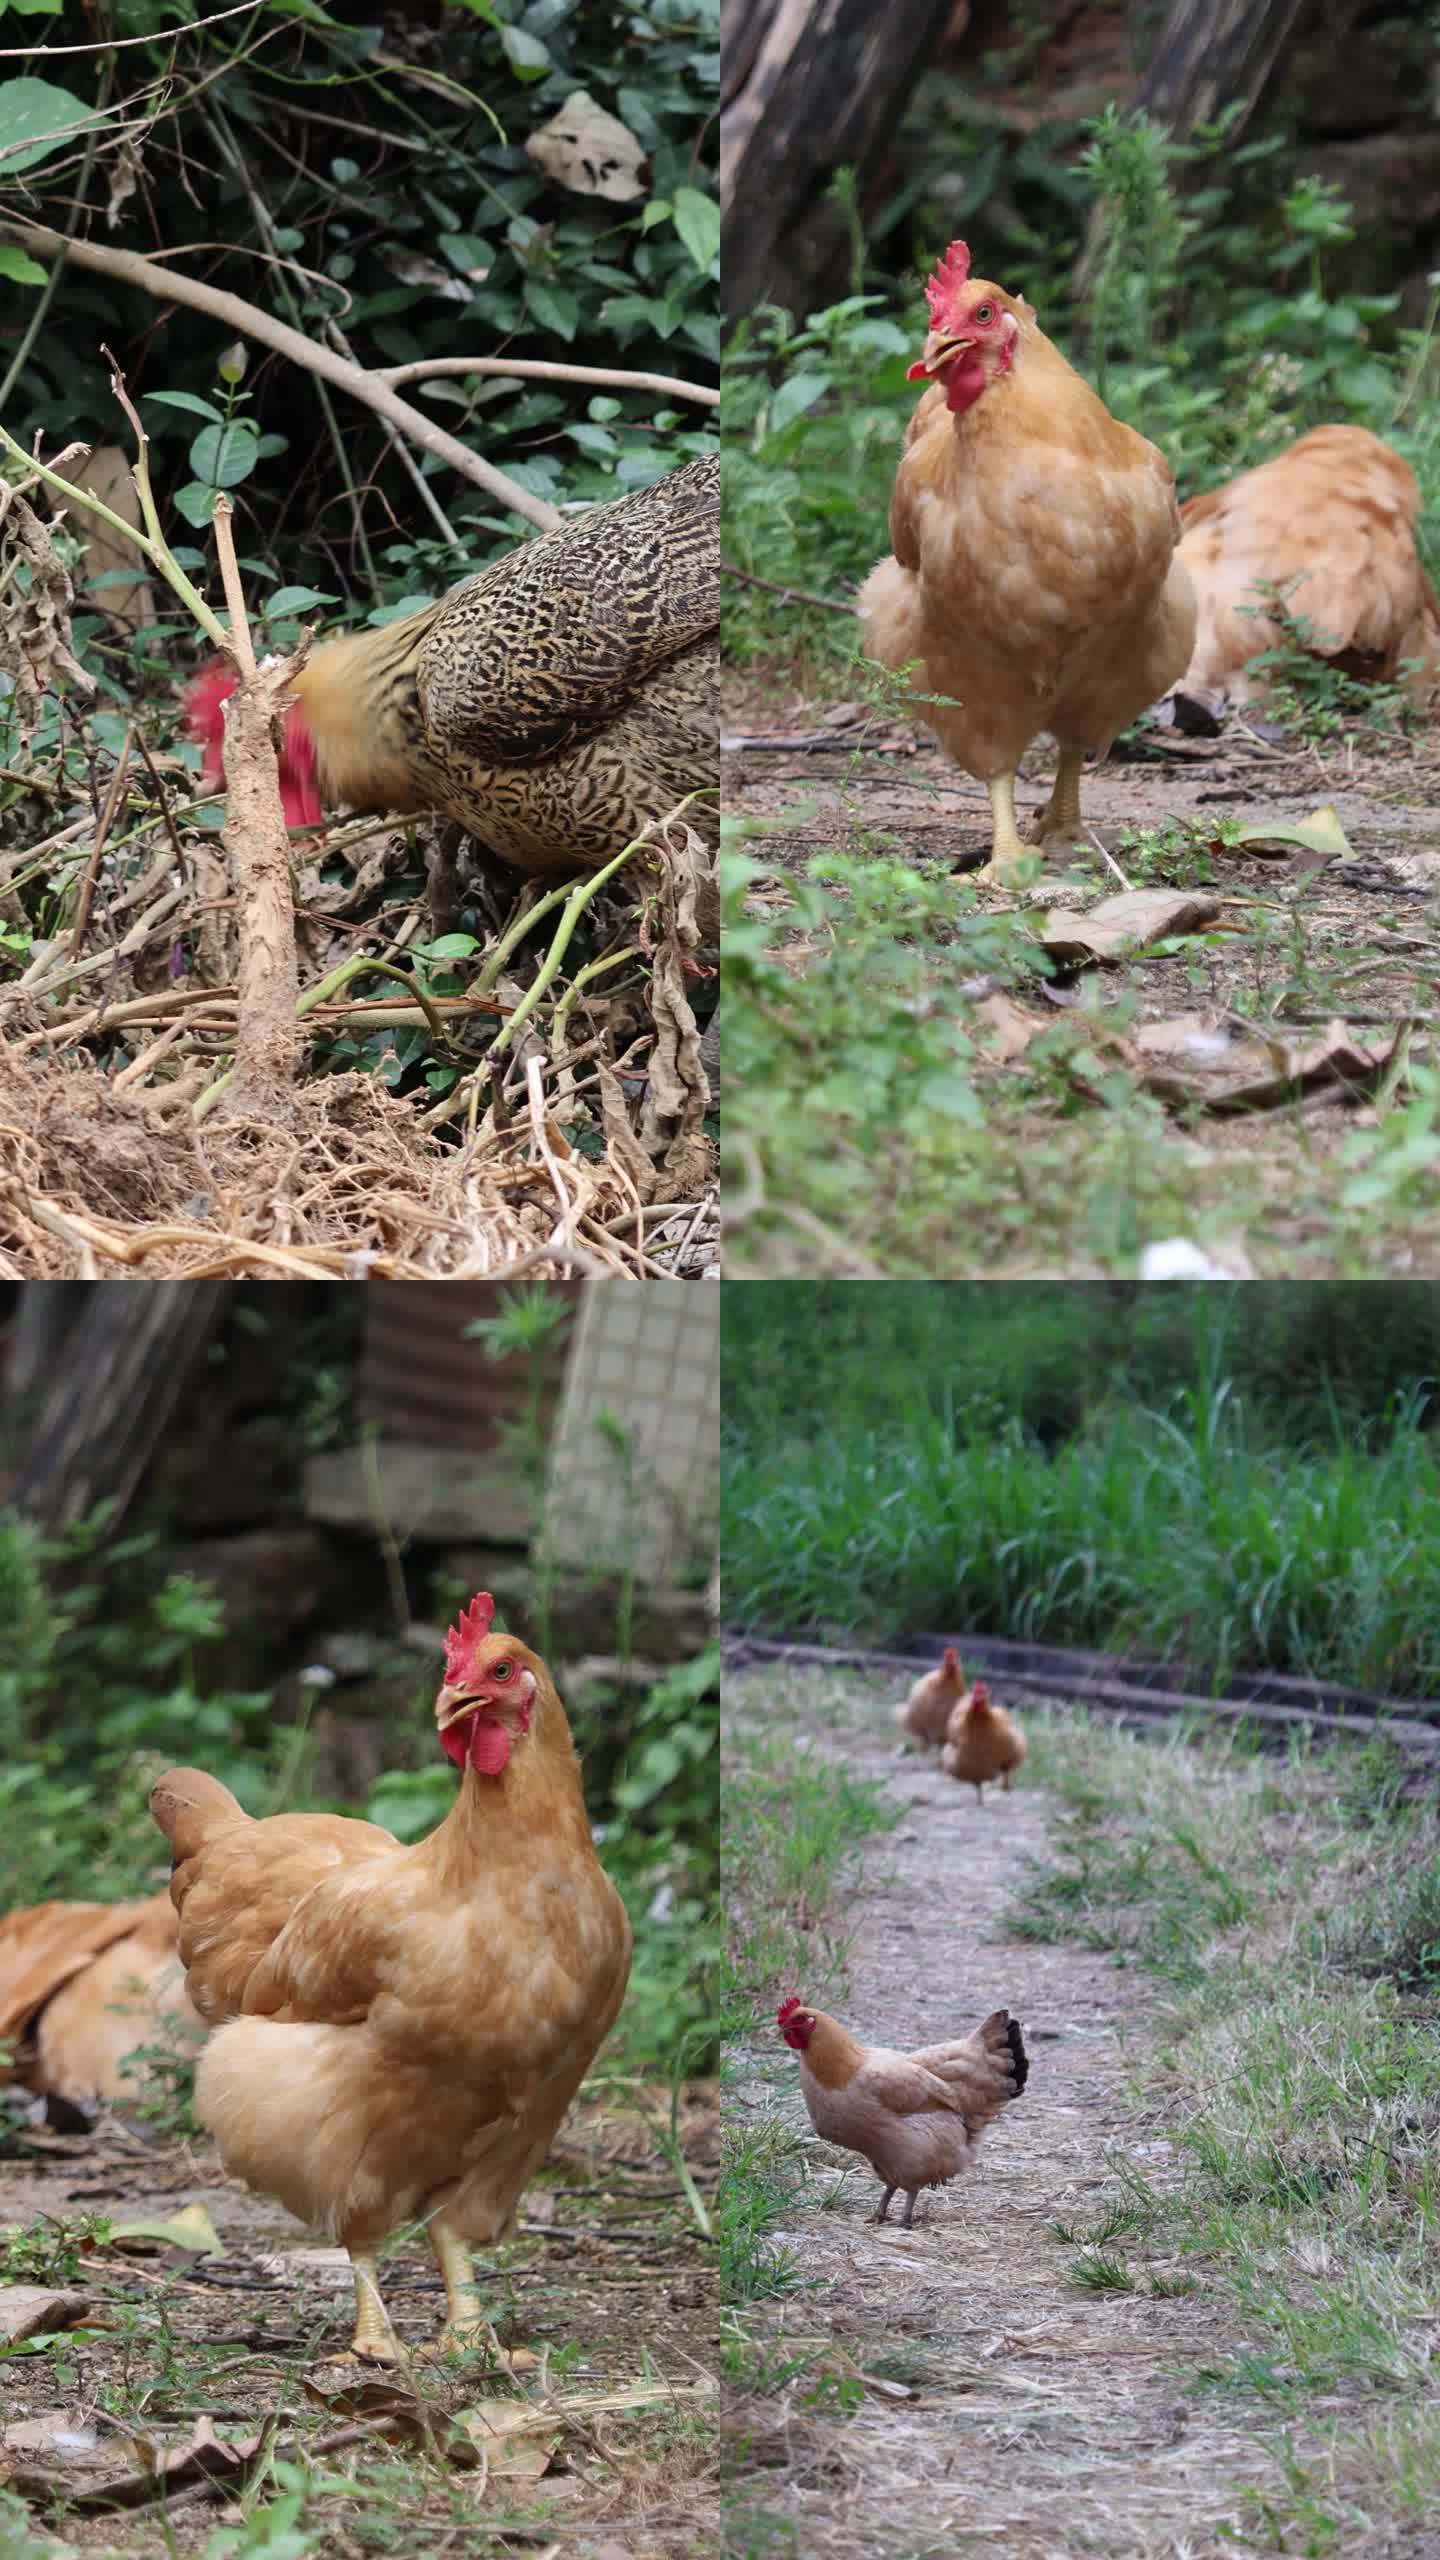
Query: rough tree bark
[1212, 54]
[806, 87]
[124, 1364]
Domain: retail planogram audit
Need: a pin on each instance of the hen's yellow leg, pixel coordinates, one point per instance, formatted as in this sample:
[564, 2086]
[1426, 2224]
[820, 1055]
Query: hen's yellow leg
[465, 2321]
[1007, 846]
[374, 2338]
[1060, 819]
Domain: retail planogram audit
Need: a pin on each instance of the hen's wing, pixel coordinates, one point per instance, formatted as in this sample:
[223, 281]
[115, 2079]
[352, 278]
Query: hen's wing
[546, 646]
[237, 1883]
[905, 2083]
[983, 2072]
[1330, 523]
[133, 1994]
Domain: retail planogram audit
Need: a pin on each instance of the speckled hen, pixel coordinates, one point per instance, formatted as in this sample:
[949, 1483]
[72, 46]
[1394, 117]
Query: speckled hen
[551, 706]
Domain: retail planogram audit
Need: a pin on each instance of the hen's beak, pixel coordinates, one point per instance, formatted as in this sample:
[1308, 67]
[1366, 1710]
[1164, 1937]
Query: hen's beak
[452, 1704]
[940, 349]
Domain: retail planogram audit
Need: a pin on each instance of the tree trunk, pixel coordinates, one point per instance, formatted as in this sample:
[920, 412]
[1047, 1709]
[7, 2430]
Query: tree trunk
[1211, 54]
[806, 87]
[120, 1371]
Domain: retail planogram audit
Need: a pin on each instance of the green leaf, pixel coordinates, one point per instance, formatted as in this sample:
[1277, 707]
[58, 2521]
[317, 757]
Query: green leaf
[469, 257]
[225, 455]
[20, 269]
[554, 307]
[190, 2228]
[798, 392]
[294, 600]
[37, 118]
[697, 219]
[190, 400]
[446, 946]
[196, 505]
[344, 172]
[528, 58]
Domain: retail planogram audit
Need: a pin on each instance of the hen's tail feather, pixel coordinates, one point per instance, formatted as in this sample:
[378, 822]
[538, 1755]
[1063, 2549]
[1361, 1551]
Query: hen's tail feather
[999, 2034]
[188, 1805]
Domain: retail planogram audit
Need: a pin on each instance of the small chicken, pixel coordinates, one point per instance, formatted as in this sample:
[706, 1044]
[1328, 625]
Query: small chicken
[925, 1714]
[916, 2117]
[1033, 580]
[82, 1986]
[1329, 524]
[401, 2030]
[981, 1743]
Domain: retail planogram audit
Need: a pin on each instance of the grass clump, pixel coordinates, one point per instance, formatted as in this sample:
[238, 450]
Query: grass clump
[1201, 1509]
[1301, 2101]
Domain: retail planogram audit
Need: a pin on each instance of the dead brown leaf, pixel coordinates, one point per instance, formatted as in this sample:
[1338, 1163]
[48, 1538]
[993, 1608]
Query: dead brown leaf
[1261, 1075]
[1121, 925]
[33, 2310]
[589, 151]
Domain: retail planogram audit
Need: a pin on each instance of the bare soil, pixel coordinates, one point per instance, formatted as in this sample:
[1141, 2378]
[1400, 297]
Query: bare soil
[1033, 2417]
[605, 2286]
[1298, 943]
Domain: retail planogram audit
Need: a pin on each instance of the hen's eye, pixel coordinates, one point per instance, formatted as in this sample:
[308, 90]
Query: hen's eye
[501, 1670]
[985, 313]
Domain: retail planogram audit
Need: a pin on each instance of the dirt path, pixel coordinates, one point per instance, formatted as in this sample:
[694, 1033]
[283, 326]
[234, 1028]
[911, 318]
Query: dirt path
[1045, 2421]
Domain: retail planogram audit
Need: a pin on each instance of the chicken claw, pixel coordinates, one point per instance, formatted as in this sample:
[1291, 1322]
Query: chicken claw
[1007, 844]
[374, 2341]
[465, 2323]
[1059, 826]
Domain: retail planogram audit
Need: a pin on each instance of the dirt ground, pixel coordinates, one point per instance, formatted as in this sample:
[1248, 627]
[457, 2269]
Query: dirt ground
[1297, 944]
[604, 2293]
[1004, 2408]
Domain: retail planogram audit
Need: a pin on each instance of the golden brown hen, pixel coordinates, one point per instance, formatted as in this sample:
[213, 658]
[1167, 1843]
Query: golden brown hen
[400, 2030]
[84, 1985]
[1033, 583]
[1330, 524]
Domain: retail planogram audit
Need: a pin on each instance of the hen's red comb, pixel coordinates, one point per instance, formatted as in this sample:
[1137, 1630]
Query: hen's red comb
[786, 2010]
[952, 271]
[470, 1629]
[205, 720]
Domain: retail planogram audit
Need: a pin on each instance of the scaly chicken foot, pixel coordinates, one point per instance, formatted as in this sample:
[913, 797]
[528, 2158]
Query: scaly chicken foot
[1007, 845]
[1060, 824]
[465, 2324]
[907, 2216]
[374, 2341]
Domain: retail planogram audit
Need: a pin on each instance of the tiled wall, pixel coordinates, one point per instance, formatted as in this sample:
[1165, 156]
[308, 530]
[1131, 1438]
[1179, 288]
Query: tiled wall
[649, 1358]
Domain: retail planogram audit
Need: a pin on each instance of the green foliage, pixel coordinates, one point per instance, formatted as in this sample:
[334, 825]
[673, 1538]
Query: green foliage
[859, 1072]
[370, 188]
[52, 2249]
[759, 2184]
[1231, 1486]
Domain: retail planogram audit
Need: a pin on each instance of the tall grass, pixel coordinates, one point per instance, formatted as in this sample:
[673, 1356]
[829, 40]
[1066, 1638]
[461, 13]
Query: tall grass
[1187, 1521]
